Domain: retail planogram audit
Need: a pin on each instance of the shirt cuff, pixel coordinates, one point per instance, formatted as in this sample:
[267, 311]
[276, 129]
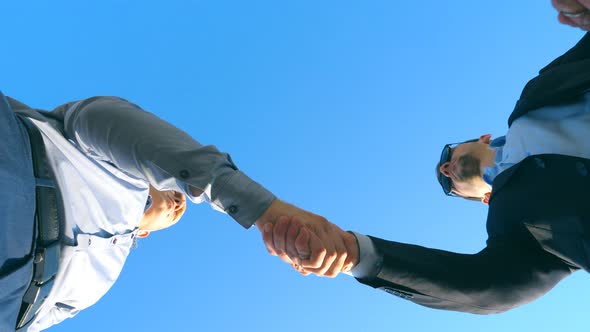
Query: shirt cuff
[370, 260]
[242, 198]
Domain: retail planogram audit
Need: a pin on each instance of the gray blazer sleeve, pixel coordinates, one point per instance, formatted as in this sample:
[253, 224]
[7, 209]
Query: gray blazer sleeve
[144, 146]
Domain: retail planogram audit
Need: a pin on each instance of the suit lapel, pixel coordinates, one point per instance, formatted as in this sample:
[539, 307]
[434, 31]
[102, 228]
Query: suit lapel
[563, 81]
[502, 178]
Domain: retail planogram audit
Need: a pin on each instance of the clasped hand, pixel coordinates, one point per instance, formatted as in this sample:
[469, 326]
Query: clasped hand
[308, 242]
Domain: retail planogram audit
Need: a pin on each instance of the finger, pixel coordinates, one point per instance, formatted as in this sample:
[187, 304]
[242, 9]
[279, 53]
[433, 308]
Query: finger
[304, 272]
[340, 260]
[267, 238]
[279, 234]
[347, 266]
[301, 270]
[317, 252]
[335, 258]
[295, 227]
[329, 258]
[302, 245]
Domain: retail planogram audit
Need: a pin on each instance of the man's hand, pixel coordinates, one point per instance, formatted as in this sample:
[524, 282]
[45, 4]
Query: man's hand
[575, 13]
[294, 234]
[308, 242]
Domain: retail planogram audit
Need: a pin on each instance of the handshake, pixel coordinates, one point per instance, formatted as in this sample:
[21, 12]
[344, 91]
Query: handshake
[306, 241]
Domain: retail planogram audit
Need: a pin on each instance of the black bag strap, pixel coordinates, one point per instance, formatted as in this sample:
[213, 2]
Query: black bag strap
[47, 221]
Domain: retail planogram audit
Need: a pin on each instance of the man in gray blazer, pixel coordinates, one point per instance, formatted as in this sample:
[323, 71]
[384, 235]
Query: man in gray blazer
[89, 178]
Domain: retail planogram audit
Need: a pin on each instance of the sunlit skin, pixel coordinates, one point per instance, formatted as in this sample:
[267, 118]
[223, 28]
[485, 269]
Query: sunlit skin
[290, 239]
[166, 209]
[573, 13]
[466, 183]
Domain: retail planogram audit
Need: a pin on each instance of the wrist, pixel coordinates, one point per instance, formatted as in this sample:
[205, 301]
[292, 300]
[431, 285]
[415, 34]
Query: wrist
[269, 215]
[352, 248]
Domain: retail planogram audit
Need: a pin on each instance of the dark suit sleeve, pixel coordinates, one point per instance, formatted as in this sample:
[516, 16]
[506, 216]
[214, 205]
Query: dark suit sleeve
[498, 278]
[580, 52]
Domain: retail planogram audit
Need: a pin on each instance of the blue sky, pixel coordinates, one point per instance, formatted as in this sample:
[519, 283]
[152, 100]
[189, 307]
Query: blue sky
[339, 107]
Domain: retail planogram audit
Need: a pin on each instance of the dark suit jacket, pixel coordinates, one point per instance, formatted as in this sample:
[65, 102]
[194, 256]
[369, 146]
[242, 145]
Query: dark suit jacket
[538, 221]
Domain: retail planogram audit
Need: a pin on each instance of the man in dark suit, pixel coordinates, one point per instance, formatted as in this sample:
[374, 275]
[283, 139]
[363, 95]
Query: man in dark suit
[539, 217]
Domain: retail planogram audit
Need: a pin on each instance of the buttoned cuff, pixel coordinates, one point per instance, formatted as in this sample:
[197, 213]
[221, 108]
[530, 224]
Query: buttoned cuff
[370, 260]
[242, 198]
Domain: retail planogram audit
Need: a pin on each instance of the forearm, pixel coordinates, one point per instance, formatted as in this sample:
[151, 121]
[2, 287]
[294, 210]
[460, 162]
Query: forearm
[494, 280]
[144, 146]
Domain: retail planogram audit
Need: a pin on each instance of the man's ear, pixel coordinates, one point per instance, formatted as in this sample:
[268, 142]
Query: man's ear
[143, 234]
[487, 138]
[486, 198]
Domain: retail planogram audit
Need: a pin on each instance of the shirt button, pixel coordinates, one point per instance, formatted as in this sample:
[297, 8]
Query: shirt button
[38, 258]
[540, 162]
[233, 209]
[64, 306]
[115, 241]
[184, 174]
[581, 168]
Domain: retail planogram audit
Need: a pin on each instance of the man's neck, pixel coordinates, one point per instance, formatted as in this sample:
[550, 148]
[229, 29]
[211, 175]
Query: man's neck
[489, 158]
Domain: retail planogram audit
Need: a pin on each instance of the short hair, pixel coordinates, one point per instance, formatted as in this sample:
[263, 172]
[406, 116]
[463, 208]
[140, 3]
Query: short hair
[438, 173]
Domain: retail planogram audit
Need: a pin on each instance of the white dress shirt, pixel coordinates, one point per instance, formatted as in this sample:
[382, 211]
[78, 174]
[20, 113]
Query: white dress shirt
[562, 129]
[105, 152]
